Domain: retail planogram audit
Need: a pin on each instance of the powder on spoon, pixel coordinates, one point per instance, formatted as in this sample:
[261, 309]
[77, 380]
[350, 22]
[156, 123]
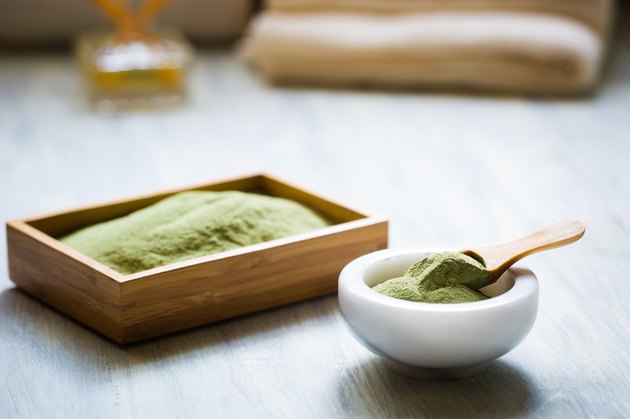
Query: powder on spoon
[447, 277]
[189, 225]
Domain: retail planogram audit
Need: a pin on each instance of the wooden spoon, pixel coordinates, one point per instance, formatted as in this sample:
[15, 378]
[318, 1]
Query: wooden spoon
[499, 257]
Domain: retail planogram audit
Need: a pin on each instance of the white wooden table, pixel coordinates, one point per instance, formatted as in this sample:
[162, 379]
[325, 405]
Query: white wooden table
[448, 170]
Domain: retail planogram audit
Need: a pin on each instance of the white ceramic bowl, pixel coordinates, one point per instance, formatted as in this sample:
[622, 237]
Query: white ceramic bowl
[435, 341]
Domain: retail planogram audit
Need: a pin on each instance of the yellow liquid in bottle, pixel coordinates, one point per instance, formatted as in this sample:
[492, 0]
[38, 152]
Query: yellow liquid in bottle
[121, 71]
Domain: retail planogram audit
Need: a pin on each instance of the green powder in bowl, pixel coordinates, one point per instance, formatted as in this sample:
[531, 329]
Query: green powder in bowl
[189, 225]
[447, 278]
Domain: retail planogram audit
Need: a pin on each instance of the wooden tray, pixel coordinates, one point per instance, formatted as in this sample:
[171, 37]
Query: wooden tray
[133, 307]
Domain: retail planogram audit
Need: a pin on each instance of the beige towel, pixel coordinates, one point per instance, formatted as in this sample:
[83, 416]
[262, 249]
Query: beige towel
[500, 51]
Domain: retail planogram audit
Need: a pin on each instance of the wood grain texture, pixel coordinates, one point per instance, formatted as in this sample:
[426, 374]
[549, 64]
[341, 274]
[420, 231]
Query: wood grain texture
[57, 278]
[447, 170]
[193, 292]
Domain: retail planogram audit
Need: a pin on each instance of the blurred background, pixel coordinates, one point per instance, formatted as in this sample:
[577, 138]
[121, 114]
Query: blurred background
[546, 141]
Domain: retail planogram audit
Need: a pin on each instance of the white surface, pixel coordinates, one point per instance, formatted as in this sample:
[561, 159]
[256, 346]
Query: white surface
[450, 171]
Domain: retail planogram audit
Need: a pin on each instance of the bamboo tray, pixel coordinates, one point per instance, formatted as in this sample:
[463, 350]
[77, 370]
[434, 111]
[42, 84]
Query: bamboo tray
[157, 301]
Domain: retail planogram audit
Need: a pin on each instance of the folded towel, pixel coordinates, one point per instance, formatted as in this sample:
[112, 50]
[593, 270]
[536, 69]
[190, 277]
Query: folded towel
[531, 53]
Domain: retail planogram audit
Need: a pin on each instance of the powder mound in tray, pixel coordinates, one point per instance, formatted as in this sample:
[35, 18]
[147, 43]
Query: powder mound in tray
[189, 225]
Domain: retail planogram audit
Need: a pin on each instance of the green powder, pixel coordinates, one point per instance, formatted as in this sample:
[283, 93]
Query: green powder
[189, 225]
[443, 278]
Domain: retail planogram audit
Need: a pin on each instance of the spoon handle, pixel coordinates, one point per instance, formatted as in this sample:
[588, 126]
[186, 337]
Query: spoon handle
[500, 257]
